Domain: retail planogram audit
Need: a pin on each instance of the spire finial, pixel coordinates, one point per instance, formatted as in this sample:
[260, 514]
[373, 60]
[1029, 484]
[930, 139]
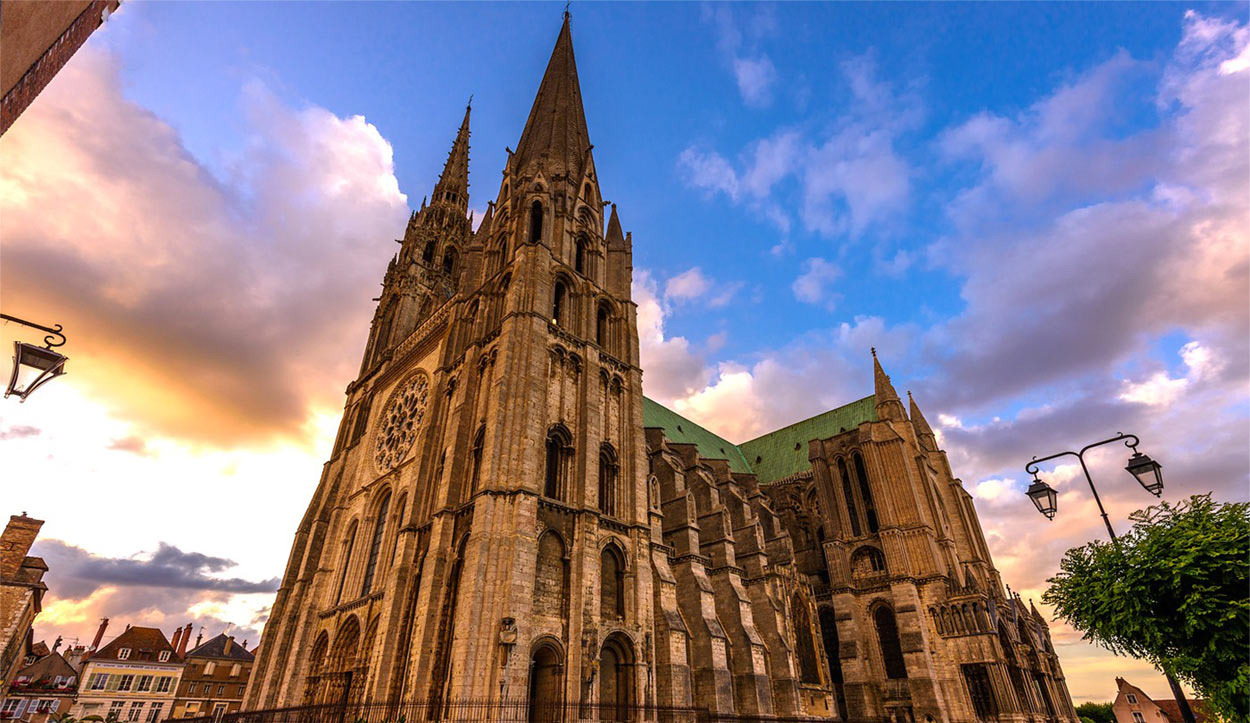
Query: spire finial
[874, 352]
[566, 10]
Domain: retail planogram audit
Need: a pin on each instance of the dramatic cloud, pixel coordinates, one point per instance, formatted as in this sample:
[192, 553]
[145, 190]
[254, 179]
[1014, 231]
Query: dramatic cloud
[222, 311]
[167, 589]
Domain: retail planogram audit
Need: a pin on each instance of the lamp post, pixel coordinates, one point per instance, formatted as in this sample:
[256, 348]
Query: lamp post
[1148, 474]
[34, 366]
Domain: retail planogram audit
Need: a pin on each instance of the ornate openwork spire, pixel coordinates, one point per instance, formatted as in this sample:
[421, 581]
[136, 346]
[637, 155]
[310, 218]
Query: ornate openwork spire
[453, 183]
[556, 128]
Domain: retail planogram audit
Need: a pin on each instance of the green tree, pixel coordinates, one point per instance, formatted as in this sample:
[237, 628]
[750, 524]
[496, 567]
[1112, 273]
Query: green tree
[1175, 591]
[1096, 712]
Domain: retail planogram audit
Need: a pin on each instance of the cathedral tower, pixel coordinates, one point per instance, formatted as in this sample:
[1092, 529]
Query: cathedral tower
[482, 528]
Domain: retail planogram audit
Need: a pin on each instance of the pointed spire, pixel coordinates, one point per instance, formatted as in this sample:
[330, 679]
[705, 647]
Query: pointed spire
[888, 404]
[488, 218]
[615, 238]
[556, 127]
[455, 176]
[923, 431]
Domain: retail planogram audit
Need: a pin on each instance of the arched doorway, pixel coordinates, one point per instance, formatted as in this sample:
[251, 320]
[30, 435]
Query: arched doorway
[338, 678]
[616, 669]
[546, 684]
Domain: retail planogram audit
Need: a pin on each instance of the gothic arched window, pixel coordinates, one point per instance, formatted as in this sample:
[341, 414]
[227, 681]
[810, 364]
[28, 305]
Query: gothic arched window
[536, 222]
[611, 584]
[558, 297]
[475, 474]
[559, 450]
[349, 543]
[375, 545]
[399, 523]
[601, 325]
[607, 480]
[449, 261]
[865, 492]
[891, 650]
[808, 668]
[427, 254]
[579, 255]
[849, 494]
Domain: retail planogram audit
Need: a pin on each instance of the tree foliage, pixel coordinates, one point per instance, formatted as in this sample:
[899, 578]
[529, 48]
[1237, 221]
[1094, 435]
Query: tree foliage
[1096, 712]
[1175, 591]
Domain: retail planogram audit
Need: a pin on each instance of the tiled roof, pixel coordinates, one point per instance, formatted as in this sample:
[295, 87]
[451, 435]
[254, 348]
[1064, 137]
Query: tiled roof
[216, 648]
[43, 672]
[680, 430]
[772, 456]
[145, 644]
[1172, 710]
[784, 452]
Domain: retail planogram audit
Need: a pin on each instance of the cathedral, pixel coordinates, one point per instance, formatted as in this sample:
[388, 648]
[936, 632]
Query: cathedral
[505, 517]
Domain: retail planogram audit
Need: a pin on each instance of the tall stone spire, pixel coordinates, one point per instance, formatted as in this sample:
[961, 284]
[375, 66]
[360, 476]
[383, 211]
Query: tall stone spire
[556, 128]
[888, 404]
[923, 431]
[453, 183]
[615, 237]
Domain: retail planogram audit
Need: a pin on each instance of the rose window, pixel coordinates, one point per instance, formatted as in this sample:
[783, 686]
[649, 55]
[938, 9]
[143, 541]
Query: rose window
[400, 421]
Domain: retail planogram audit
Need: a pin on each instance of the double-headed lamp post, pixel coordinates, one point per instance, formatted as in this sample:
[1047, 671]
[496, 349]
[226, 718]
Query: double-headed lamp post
[1147, 472]
[33, 366]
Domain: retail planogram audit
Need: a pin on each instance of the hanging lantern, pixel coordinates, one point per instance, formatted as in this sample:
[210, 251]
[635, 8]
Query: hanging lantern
[33, 366]
[1044, 497]
[1147, 472]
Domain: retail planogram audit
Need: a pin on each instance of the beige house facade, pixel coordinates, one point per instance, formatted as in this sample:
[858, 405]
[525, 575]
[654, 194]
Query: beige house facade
[505, 517]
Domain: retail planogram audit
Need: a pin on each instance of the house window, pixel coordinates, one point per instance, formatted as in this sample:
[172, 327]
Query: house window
[221, 689]
[58, 681]
[126, 682]
[235, 669]
[191, 689]
[164, 656]
[209, 667]
[218, 711]
[1137, 717]
[136, 711]
[115, 710]
[145, 683]
[123, 654]
[1132, 698]
[10, 708]
[46, 705]
[98, 681]
[162, 683]
[154, 713]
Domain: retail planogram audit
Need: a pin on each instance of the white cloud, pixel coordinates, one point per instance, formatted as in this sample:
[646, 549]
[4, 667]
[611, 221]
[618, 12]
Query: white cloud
[812, 285]
[689, 284]
[1162, 390]
[755, 79]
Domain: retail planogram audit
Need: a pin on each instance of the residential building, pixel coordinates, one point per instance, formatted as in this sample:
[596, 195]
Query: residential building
[1132, 705]
[133, 678]
[39, 38]
[21, 595]
[44, 688]
[214, 678]
[505, 516]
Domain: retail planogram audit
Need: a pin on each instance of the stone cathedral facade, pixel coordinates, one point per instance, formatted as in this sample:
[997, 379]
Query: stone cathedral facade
[506, 517]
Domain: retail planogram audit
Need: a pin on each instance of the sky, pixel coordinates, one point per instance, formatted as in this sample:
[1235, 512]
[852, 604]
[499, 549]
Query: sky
[1037, 213]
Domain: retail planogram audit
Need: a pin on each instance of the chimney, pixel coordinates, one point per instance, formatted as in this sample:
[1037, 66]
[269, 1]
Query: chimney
[199, 637]
[182, 642]
[225, 650]
[174, 642]
[15, 542]
[99, 634]
[245, 645]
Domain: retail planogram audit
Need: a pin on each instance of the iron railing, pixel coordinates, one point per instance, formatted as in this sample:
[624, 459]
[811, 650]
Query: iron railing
[485, 711]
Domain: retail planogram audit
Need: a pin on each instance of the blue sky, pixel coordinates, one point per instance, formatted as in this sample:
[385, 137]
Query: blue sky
[1037, 212]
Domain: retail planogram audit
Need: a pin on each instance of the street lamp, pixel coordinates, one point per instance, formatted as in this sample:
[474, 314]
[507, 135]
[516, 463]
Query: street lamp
[1146, 471]
[1043, 495]
[34, 366]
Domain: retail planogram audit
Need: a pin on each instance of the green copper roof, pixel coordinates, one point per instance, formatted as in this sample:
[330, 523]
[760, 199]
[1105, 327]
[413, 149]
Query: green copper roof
[784, 452]
[683, 431]
[772, 456]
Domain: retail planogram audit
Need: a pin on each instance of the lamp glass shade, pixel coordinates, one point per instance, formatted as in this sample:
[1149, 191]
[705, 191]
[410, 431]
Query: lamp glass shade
[1044, 497]
[33, 366]
[1147, 472]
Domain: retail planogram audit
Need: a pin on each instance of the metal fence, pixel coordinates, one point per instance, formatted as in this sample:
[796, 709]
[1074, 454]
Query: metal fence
[484, 711]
